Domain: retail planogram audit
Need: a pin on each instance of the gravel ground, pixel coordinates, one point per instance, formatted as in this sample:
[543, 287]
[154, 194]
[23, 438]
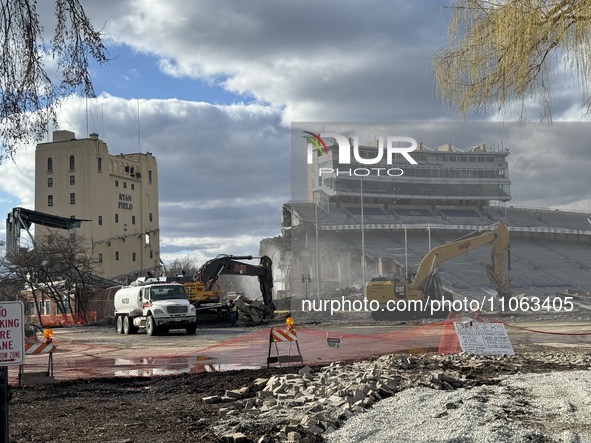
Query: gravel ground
[552, 407]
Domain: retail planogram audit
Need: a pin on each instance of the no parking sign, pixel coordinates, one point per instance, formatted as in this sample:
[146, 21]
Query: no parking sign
[12, 333]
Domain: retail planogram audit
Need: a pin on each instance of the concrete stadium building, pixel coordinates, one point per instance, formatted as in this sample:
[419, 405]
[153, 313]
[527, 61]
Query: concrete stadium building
[387, 223]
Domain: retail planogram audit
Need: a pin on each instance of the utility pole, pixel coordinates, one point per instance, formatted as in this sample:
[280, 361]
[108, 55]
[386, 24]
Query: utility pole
[4, 399]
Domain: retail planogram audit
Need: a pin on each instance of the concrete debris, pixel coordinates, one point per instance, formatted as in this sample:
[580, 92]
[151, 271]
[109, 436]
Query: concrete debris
[312, 403]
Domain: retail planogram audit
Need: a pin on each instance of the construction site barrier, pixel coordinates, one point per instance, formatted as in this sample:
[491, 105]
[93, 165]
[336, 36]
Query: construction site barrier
[279, 336]
[449, 342]
[30, 378]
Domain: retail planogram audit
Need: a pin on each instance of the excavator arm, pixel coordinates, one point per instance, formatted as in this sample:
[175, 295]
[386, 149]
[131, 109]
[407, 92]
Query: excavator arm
[500, 257]
[499, 237]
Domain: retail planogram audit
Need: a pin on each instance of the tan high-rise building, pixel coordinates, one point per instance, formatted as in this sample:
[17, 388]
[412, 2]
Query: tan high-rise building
[116, 194]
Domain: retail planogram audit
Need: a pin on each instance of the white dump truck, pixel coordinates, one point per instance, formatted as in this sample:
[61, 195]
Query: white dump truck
[154, 305]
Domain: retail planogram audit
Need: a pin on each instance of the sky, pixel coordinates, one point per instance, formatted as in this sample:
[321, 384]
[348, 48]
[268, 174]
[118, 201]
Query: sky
[212, 88]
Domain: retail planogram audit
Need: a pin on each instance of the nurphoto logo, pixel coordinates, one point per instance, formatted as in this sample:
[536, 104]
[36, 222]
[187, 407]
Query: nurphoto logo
[393, 145]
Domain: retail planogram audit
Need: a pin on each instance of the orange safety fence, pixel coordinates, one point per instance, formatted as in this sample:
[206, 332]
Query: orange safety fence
[317, 345]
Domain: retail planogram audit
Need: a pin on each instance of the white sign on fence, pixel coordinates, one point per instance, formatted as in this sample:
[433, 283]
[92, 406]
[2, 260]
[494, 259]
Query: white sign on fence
[12, 333]
[484, 338]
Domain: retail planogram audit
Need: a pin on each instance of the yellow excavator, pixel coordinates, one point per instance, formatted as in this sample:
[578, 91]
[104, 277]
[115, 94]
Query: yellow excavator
[425, 285]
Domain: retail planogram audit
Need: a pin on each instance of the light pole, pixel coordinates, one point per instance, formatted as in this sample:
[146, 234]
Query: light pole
[405, 255]
[317, 248]
[589, 198]
[362, 244]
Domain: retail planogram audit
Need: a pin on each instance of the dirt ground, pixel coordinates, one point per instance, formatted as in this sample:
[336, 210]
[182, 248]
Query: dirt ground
[170, 409]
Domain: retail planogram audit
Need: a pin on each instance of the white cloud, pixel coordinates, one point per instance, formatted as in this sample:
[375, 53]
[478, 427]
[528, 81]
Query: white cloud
[331, 60]
[225, 170]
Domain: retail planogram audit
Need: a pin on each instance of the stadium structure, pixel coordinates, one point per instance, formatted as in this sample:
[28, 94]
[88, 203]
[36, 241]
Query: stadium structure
[355, 226]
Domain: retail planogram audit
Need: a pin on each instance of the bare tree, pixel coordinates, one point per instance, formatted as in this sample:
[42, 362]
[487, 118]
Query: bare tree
[28, 95]
[178, 265]
[58, 270]
[506, 52]
[9, 290]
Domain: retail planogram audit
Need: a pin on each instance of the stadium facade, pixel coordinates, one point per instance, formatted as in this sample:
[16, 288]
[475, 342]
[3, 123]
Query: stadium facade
[362, 220]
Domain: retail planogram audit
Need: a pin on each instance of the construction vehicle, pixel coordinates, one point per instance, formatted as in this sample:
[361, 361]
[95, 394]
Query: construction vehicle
[154, 305]
[424, 286]
[203, 293]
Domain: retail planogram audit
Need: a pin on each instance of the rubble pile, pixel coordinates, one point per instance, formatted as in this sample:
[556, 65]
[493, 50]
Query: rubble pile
[309, 405]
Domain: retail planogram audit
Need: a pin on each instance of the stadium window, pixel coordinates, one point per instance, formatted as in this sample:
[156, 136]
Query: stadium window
[452, 158]
[100, 165]
[72, 163]
[50, 200]
[116, 255]
[132, 186]
[49, 165]
[133, 219]
[116, 218]
[72, 180]
[72, 198]
[481, 159]
[490, 159]
[49, 182]
[100, 220]
[151, 254]
[150, 176]
[151, 217]
[472, 159]
[100, 258]
[464, 159]
[133, 256]
[116, 183]
[124, 185]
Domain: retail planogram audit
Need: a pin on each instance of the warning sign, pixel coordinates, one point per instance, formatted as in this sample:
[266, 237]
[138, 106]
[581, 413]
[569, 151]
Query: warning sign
[333, 342]
[484, 338]
[12, 333]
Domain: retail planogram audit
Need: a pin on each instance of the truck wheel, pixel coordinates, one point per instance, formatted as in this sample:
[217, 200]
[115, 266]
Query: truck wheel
[126, 325]
[151, 328]
[191, 329]
[120, 324]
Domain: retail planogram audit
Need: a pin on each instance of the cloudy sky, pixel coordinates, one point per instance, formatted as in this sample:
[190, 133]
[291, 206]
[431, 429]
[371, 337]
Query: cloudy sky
[212, 87]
